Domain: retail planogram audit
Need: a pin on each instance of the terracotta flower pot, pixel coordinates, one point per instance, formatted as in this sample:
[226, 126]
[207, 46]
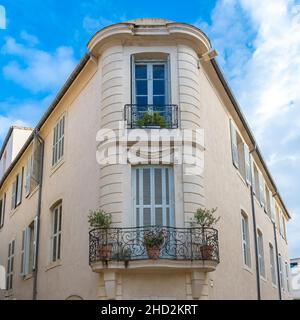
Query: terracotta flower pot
[153, 252]
[207, 252]
[105, 251]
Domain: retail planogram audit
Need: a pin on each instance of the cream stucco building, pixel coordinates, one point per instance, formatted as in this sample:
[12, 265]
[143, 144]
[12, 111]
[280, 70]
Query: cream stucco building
[53, 175]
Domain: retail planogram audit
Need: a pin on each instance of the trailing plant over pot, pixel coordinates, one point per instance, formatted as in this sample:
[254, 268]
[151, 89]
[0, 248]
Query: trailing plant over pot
[102, 220]
[152, 119]
[206, 219]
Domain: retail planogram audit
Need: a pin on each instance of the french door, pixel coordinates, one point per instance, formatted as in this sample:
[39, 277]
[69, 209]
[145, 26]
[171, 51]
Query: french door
[153, 195]
[150, 83]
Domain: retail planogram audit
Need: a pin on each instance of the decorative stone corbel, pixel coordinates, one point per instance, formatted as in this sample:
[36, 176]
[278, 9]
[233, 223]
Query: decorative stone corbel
[110, 282]
[199, 285]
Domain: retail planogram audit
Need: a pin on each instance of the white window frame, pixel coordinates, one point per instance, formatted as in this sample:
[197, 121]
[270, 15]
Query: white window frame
[245, 240]
[272, 264]
[150, 64]
[261, 256]
[28, 251]
[56, 234]
[58, 145]
[10, 265]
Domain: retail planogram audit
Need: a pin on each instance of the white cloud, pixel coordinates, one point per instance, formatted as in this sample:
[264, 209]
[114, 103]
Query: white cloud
[92, 25]
[259, 44]
[35, 69]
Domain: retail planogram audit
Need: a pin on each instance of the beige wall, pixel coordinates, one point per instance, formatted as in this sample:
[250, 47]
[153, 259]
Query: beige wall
[95, 101]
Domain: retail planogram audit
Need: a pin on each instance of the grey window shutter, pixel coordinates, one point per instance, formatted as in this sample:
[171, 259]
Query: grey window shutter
[247, 164]
[13, 195]
[234, 148]
[34, 242]
[252, 175]
[262, 190]
[36, 164]
[20, 187]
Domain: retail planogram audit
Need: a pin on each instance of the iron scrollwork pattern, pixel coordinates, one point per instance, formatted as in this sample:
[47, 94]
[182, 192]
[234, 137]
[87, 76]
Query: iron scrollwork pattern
[134, 112]
[127, 244]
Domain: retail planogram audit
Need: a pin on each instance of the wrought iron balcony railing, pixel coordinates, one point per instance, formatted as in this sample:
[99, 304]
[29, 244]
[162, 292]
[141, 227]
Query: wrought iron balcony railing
[153, 242]
[151, 116]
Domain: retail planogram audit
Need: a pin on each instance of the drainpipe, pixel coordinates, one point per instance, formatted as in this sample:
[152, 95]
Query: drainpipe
[35, 273]
[255, 231]
[277, 259]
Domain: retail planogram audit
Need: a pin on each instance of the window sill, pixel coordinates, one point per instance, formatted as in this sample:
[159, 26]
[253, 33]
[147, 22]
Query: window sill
[53, 265]
[55, 167]
[8, 293]
[246, 268]
[263, 279]
[242, 178]
[31, 194]
[27, 276]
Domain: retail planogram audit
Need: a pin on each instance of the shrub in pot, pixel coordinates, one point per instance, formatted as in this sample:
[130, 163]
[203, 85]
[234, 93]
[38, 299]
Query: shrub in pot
[102, 220]
[206, 219]
[153, 242]
[152, 119]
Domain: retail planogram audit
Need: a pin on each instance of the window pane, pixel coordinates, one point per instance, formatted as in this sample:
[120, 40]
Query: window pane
[158, 87]
[147, 217]
[158, 186]
[54, 249]
[55, 221]
[58, 246]
[137, 186]
[159, 100]
[137, 217]
[142, 100]
[141, 71]
[146, 187]
[167, 186]
[141, 87]
[60, 216]
[159, 71]
[158, 216]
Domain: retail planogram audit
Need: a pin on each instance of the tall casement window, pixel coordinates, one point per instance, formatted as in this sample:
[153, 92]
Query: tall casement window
[246, 240]
[261, 258]
[56, 233]
[287, 276]
[2, 209]
[10, 265]
[58, 141]
[16, 197]
[153, 196]
[28, 250]
[272, 264]
[150, 82]
[240, 154]
[280, 270]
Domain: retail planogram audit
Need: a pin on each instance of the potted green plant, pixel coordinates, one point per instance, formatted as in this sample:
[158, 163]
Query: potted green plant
[152, 119]
[153, 241]
[102, 220]
[206, 219]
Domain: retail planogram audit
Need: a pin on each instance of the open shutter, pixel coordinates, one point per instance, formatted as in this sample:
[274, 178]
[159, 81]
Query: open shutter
[261, 189]
[19, 187]
[234, 147]
[272, 202]
[28, 171]
[34, 242]
[247, 164]
[252, 175]
[2, 210]
[13, 195]
[23, 253]
[36, 164]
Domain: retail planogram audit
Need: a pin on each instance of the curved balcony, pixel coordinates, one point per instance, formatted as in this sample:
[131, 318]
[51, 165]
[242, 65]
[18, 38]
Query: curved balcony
[184, 248]
[151, 116]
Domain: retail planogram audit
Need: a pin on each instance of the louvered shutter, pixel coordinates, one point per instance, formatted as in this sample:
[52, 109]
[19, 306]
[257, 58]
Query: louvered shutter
[13, 195]
[247, 164]
[234, 147]
[262, 190]
[36, 164]
[34, 242]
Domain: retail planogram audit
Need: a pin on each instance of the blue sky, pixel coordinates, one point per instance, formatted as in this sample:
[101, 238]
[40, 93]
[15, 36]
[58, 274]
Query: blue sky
[259, 50]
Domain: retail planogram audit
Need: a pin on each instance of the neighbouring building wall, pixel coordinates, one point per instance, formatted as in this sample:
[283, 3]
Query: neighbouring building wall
[295, 278]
